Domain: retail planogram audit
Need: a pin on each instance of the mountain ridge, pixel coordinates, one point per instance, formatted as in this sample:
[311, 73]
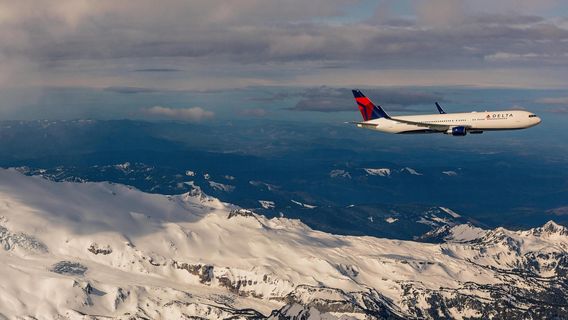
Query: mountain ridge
[111, 250]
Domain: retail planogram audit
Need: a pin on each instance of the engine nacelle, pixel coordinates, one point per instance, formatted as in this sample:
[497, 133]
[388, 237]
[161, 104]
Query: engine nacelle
[457, 131]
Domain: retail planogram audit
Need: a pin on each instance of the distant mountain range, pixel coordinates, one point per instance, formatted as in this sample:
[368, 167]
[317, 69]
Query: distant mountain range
[77, 250]
[489, 181]
[392, 221]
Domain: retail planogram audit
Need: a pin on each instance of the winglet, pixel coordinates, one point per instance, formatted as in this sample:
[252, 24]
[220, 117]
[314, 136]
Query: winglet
[440, 110]
[369, 111]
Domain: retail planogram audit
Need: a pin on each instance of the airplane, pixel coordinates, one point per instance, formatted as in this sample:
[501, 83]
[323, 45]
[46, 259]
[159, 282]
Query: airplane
[454, 124]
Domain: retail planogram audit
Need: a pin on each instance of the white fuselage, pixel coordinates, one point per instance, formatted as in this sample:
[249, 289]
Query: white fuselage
[473, 121]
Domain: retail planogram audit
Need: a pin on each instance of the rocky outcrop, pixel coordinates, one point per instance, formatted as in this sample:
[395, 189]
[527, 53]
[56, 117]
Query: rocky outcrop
[69, 268]
[10, 241]
[96, 249]
[240, 212]
[308, 302]
[204, 272]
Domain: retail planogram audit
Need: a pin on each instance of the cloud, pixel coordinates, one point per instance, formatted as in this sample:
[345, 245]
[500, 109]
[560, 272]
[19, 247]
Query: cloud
[505, 57]
[560, 211]
[158, 70]
[252, 31]
[250, 42]
[327, 99]
[129, 90]
[194, 114]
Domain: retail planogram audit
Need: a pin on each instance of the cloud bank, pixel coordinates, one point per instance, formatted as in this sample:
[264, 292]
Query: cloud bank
[134, 48]
[251, 42]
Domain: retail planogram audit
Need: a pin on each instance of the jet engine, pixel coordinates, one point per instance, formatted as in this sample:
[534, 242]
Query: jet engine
[457, 131]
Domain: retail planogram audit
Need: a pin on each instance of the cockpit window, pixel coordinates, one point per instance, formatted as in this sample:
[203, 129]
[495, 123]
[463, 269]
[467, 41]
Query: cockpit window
[532, 115]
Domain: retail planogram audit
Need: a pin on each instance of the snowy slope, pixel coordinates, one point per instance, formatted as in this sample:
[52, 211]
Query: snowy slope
[74, 249]
[382, 172]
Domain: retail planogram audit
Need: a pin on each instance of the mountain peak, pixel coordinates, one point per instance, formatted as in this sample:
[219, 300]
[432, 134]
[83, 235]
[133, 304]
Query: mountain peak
[550, 228]
[457, 233]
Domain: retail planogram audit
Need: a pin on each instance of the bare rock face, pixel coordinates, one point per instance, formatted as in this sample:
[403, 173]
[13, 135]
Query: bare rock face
[69, 268]
[239, 286]
[96, 249]
[120, 297]
[308, 302]
[204, 272]
[240, 212]
[12, 240]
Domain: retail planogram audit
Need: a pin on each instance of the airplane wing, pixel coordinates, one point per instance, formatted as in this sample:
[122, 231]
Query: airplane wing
[433, 126]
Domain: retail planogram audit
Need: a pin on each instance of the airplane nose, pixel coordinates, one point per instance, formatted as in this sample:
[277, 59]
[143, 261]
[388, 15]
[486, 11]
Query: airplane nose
[538, 120]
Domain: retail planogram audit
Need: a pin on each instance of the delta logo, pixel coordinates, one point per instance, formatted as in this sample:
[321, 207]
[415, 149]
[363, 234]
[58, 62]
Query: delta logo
[499, 116]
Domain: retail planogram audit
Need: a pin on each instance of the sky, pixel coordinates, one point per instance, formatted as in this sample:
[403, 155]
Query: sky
[205, 59]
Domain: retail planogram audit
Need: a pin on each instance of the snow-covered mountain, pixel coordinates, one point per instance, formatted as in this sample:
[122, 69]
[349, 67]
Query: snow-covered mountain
[382, 172]
[95, 250]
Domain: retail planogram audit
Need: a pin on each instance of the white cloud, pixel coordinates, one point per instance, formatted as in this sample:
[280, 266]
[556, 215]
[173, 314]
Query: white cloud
[185, 114]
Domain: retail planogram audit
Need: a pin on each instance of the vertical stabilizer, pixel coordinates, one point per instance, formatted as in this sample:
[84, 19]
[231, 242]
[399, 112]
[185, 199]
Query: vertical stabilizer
[369, 111]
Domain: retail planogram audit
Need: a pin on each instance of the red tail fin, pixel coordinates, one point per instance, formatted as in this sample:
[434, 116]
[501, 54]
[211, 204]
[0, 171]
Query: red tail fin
[368, 110]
